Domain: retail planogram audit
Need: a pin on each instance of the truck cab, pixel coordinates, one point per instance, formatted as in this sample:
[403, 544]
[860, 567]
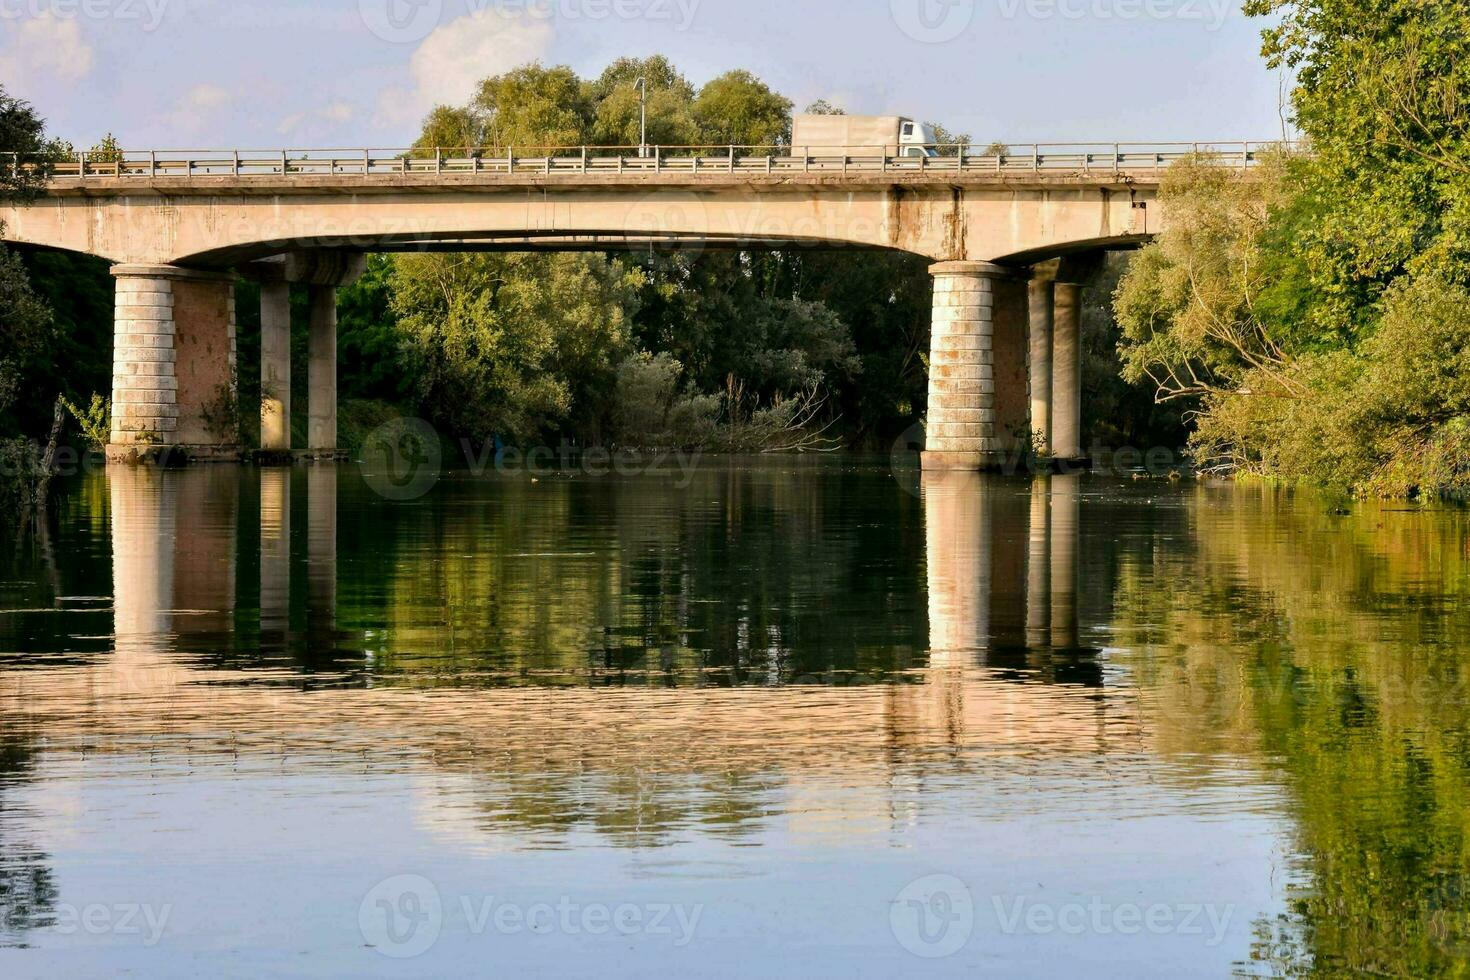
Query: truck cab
[916, 139]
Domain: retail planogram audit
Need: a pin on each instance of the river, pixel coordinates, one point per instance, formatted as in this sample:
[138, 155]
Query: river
[817, 717]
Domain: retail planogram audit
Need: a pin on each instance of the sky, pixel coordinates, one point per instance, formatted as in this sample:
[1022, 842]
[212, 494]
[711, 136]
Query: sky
[314, 74]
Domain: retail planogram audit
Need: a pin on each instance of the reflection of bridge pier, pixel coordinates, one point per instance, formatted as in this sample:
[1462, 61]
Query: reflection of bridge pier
[275, 556]
[1065, 513]
[321, 557]
[176, 555]
[1002, 568]
[957, 530]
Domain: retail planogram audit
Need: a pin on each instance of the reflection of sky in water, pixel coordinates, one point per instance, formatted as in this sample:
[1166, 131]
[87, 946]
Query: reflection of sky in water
[783, 694]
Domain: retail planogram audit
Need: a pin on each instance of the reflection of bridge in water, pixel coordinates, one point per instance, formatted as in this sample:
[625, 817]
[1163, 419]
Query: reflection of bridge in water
[1006, 677]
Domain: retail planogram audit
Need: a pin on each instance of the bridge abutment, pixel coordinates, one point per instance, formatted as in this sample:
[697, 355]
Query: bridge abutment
[173, 373]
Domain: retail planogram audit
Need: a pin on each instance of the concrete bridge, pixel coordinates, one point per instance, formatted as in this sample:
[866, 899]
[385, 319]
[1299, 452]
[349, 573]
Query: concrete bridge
[1010, 234]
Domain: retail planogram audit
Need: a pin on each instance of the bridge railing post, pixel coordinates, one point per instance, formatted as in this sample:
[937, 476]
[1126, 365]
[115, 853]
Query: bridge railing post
[732, 158]
[658, 153]
[82, 164]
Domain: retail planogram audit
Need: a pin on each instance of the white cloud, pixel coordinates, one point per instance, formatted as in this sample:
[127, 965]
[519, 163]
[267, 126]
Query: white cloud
[198, 107]
[333, 113]
[450, 62]
[44, 50]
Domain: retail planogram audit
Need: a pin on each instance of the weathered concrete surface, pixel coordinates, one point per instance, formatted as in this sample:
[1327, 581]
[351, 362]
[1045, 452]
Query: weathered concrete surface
[960, 432]
[321, 372]
[219, 222]
[275, 366]
[1012, 405]
[1067, 372]
[173, 375]
[1040, 309]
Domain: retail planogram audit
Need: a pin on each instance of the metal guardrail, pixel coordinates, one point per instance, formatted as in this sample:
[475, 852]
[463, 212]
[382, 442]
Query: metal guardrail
[1077, 158]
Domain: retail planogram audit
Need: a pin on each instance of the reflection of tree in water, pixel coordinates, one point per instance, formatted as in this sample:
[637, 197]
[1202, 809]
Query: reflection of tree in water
[27, 888]
[642, 577]
[624, 808]
[1333, 649]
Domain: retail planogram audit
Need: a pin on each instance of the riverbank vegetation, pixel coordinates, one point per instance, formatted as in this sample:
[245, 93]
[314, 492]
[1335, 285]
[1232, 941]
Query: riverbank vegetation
[1314, 315]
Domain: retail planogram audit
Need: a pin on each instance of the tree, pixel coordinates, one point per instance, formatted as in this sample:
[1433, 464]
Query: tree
[617, 114]
[28, 322]
[739, 109]
[106, 150]
[1383, 96]
[515, 345]
[449, 127]
[822, 107]
[23, 134]
[534, 107]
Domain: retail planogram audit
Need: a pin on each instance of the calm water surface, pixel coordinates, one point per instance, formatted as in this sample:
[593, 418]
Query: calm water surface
[784, 717]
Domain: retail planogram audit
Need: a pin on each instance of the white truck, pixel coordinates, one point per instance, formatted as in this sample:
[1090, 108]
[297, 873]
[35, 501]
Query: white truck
[858, 136]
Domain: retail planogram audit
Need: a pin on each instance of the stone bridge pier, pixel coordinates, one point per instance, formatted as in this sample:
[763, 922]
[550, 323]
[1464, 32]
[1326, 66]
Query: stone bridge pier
[174, 374]
[173, 361]
[1005, 365]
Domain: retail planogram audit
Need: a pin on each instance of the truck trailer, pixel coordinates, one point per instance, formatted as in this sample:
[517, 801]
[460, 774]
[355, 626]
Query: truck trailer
[858, 136]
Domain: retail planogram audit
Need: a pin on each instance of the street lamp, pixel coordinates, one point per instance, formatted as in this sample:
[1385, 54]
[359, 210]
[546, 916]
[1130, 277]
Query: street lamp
[642, 85]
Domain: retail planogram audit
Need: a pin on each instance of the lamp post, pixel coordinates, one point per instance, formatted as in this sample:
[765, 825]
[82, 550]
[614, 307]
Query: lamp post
[642, 85]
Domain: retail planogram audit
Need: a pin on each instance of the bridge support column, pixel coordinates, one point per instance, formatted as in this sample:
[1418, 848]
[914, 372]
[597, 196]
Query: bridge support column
[1067, 373]
[1039, 295]
[275, 366]
[173, 363]
[960, 433]
[321, 373]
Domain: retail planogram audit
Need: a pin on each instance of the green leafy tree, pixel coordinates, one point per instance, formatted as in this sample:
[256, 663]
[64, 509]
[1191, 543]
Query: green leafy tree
[523, 346]
[450, 127]
[822, 107]
[1383, 95]
[533, 107]
[23, 133]
[739, 109]
[616, 118]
